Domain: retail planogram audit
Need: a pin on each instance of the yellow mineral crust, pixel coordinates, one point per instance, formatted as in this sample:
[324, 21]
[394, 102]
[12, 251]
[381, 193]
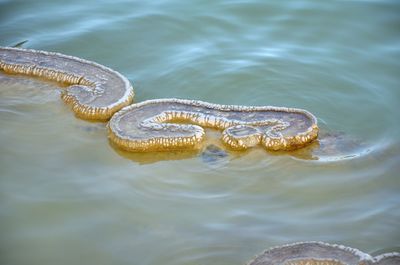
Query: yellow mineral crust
[313, 253]
[95, 92]
[171, 124]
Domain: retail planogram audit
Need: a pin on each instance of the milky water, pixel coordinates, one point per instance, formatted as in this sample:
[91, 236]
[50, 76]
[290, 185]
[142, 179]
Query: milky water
[68, 197]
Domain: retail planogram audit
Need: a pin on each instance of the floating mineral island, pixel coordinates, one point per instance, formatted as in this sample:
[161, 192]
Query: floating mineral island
[96, 92]
[318, 253]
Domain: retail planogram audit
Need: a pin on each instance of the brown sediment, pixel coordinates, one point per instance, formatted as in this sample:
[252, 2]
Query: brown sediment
[95, 92]
[158, 125]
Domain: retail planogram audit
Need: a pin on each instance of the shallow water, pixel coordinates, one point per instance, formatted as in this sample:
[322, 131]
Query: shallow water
[69, 197]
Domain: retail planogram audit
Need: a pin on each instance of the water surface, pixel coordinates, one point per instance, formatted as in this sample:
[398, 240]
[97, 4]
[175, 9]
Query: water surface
[68, 197]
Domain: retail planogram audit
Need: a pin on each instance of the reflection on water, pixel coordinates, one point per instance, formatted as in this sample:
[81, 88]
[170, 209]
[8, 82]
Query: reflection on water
[212, 153]
[21, 90]
[330, 146]
[148, 158]
[69, 197]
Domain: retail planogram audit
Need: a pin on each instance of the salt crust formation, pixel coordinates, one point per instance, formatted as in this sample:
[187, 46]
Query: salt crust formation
[96, 92]
[170, 124]
[319, 253]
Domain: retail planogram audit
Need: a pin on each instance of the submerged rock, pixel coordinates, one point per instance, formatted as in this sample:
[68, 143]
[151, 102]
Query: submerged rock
[331, 143]
[332, 146]
[92, 128]
[213, 154]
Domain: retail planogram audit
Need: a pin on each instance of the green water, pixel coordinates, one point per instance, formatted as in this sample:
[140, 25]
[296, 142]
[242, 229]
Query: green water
[68, 197]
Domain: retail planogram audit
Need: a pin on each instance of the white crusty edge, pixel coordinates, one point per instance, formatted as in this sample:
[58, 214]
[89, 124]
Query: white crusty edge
[128, 86]
[363, 256]
[386, 255]
[114, 121]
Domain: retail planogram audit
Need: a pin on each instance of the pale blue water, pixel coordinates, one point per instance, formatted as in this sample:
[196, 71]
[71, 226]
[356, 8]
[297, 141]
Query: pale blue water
[68, 197]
